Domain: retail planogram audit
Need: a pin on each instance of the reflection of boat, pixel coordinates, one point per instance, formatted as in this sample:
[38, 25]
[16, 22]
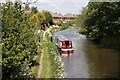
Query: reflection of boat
[64, 45]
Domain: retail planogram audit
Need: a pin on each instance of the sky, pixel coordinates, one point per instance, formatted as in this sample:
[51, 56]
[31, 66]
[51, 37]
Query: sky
[61, 6]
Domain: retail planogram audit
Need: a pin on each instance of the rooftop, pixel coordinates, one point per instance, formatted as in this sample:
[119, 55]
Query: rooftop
[60, 15]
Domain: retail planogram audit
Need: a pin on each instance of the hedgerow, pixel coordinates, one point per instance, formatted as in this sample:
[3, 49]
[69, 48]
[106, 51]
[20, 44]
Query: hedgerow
[19, 42]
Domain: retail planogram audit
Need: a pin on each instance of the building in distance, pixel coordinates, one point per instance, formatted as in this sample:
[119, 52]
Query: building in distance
[67, 17]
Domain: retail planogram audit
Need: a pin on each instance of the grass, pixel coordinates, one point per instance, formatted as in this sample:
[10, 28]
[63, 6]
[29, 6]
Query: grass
[51, 65]
[46, 64]
[82, 31]
[71, 26]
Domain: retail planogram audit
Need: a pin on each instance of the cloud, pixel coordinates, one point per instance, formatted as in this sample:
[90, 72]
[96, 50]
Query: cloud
[62, 6]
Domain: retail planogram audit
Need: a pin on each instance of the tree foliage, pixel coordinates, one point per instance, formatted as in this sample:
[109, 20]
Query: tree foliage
[39, 17]
[18, 42]
[102, 20]
[34, 10]
[27, 7]
[48, 16]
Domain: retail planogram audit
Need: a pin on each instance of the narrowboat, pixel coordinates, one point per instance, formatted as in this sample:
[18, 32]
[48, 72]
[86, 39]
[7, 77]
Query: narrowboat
[63, 44]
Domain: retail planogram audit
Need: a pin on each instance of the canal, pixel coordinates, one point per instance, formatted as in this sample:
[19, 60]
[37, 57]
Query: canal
[89, 60]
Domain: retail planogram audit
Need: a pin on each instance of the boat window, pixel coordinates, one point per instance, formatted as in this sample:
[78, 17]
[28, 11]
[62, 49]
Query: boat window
[67, 43]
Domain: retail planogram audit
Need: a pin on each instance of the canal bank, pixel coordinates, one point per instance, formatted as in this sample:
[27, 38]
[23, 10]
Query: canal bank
[51, 64]
[89, 60]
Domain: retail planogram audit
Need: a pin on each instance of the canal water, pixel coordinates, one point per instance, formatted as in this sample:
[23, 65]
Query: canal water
[89, 60]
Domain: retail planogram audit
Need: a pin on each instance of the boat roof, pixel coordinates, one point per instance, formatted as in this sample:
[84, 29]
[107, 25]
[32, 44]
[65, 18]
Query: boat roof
[62, 38]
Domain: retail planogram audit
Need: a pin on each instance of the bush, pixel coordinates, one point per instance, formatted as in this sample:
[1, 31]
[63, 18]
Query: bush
[101, 27]
[18, 42]
[82, 31]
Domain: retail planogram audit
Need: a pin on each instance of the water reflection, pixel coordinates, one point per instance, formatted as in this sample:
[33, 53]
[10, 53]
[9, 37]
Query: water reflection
[89, 60]
[102, 62]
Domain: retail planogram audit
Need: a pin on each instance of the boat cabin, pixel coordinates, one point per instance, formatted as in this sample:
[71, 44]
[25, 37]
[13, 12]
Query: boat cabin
[64, 44]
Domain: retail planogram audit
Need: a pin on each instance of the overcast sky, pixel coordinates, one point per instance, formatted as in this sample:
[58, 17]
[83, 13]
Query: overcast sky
[62, 6]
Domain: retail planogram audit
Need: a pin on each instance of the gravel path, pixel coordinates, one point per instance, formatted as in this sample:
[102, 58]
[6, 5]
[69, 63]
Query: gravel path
[40, 66]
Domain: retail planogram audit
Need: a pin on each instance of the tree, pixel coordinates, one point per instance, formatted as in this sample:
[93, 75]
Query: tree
[38, 17]
[82, 17]
[102, 22]
[27, 7]
[18, 42]
[34, 10]
[48, 16]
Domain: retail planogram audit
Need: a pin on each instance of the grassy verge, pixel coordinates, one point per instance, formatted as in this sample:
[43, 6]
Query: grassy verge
[82, 31]
[52, 67]
[46, 63]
